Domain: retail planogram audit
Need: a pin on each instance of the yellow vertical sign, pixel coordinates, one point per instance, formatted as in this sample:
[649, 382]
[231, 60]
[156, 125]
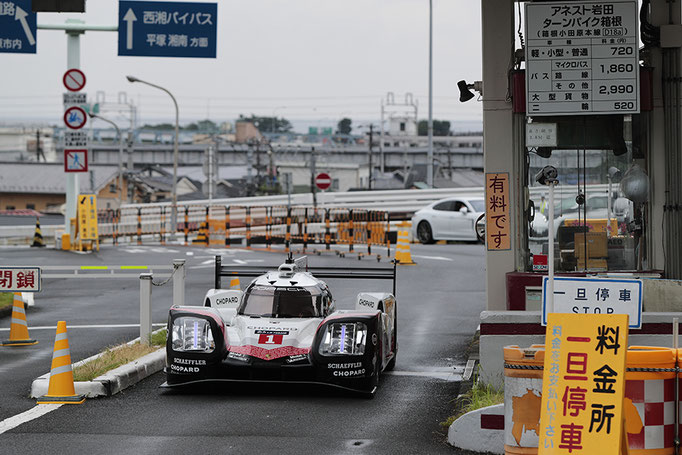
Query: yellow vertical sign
[583, 384]
[87, 217]
[497, 205]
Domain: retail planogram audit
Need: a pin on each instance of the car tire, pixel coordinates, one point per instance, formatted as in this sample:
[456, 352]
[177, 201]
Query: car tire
[424, 233]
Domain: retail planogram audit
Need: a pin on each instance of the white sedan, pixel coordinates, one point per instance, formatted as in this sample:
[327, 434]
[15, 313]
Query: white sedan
[453, 218]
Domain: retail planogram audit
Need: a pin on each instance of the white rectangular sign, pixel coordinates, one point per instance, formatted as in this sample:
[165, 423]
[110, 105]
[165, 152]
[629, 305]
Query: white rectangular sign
[19, 279]
[582, 58]
[75, 99]
[595, 296]
[541, 134]
[75, 139]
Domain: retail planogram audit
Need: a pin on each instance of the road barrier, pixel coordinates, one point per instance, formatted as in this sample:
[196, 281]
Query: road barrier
[355, 230]
[61, 389]
[650, 402]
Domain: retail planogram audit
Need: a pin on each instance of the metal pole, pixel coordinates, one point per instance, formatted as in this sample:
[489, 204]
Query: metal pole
[145, 308]
[608, 209]
[371, 139]
[313, 187]
[429, 156]
[73, 60]
[550, 252]
[120, 156]
[179, 282]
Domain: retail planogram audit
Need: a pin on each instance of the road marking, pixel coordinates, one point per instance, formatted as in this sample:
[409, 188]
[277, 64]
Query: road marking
[91, 326]
[33, 413]
[449, 374]
[189, 253]
[469, 369]
[435, 258]
[238, 261]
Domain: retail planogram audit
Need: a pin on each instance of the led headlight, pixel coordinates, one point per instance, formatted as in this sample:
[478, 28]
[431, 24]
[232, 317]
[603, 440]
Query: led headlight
[192, 335]
[344, 338]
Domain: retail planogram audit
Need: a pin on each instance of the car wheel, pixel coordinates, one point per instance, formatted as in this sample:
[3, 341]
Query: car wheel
[479, 228]
[424, 233]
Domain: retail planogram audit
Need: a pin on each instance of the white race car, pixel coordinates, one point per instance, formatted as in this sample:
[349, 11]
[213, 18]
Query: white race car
[284, 327]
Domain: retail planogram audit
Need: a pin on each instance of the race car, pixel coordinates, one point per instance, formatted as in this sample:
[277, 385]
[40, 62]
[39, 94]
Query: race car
[284, 327]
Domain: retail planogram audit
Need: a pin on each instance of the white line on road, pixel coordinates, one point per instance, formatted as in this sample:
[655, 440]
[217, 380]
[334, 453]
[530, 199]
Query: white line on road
[92, 326]
[449, 374]
[33, 413]
[435, 258]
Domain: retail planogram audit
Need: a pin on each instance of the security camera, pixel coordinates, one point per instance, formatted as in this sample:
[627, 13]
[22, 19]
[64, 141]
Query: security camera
[547, 176]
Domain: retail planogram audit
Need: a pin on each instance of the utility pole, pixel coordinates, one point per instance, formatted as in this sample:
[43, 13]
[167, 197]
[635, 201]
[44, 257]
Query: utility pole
[429, 154]
[313, 187]
[38, 145]
[371, 140]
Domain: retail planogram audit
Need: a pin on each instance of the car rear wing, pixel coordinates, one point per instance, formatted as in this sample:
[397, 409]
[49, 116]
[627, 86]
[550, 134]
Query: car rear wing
[360, 273]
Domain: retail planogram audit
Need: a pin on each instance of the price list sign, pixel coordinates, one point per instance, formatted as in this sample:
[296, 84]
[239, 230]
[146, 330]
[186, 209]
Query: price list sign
[582, 58]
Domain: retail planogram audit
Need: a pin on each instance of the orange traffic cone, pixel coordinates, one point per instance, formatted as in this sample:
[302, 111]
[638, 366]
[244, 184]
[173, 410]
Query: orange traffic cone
[402, 253]
[234, 284]
[18, 331]
[61, 389]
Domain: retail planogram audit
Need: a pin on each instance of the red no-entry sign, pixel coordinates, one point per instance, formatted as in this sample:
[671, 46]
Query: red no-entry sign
[323, 181]
[74, 80]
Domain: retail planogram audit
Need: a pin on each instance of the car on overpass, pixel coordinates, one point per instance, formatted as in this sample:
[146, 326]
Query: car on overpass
[452, 218]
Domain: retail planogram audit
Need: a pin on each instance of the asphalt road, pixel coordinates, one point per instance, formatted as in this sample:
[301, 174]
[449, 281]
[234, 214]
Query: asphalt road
[440, 300]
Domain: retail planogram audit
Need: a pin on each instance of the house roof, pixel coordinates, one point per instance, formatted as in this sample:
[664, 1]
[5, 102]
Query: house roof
[47, 178]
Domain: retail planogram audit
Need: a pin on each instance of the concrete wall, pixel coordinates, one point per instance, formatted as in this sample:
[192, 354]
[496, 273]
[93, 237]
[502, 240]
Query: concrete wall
[22, 200]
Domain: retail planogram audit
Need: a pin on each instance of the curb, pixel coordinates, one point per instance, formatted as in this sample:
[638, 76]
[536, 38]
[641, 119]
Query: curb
[112, 382]
[474, 431]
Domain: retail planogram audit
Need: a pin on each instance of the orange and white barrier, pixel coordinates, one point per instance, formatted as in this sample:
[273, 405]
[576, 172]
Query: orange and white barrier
[18, 332]
[61, 389]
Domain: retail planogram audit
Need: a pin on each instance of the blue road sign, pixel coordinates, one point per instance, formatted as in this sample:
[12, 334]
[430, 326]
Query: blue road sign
[17, 27]
[167, 29]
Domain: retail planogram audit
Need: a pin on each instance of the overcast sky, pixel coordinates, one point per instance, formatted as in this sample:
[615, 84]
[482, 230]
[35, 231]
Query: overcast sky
[311, 61]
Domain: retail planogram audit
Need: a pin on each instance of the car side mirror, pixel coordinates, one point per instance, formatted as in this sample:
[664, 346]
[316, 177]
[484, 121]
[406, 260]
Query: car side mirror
[463, 210]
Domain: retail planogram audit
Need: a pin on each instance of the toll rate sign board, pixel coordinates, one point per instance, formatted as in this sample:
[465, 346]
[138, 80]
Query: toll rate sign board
[87, 217]
[583, 385]
[167, 29]
[582, 58]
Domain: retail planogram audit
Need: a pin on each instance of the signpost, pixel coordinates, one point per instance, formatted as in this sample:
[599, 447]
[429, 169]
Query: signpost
[76, 160]
[19, 279]
[87, 219]
[582, 58]
[323, 181]
[167, 29]
[595, 296]
[75, 117]
[17, 27]
[74, 80]
[583, 385]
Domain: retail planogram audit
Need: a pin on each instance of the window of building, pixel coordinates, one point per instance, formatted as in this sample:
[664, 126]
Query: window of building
[402, 126]
[9, 207]
[335, 184]
[31, 206]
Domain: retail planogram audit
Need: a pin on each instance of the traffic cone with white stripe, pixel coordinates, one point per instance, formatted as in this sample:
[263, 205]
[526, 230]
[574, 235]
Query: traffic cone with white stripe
[234, 284]
[61, 389]
[402, 253]
[18, 331]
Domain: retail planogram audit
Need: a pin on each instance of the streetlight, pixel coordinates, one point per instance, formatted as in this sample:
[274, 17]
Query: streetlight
[174, 204]
[120, 156]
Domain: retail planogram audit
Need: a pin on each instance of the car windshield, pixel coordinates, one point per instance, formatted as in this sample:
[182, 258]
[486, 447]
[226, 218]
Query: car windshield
[478, 205]
[280, 302]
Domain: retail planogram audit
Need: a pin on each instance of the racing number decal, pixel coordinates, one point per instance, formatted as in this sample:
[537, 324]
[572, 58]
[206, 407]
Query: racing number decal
[264, 338]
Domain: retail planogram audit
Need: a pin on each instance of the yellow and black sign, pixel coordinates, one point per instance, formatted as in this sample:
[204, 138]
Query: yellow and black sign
[87, 217]
[583, 384]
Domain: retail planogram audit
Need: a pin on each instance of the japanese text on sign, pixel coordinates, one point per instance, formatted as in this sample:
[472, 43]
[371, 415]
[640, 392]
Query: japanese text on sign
[87, 217]
[19, 279]
[497, 221]
[582, 58]
[583, 384]
[595, 296]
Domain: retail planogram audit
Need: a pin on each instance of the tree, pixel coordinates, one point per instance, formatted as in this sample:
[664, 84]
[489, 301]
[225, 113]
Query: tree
[440, 128]
[160, 126]
[344, 126]
[268, 124]
[202, 125]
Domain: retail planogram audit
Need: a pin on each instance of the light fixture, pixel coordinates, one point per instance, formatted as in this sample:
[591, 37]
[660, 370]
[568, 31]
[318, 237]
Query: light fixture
[465, 93]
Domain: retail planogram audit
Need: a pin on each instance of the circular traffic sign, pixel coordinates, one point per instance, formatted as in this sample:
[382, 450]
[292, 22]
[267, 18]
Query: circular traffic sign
[323, 181]
[75, 118]
[74, 80]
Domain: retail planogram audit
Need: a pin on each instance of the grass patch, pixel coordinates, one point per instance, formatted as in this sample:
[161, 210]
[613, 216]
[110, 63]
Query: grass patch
[479, 396]
[116, 356]
[6, 299]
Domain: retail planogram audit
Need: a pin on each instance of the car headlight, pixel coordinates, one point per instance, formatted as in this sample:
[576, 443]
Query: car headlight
[344, 338]
[192, 334]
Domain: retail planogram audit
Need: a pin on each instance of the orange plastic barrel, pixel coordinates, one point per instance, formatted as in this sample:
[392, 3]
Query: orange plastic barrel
[522, 398]
[649, 404]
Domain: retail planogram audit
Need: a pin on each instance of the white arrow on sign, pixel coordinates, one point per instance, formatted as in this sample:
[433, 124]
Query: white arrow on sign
[20, 15]
[129, 18]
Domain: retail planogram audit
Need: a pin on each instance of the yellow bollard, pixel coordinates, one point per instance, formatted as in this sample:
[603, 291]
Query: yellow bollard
[61, 389]
[18, 331]
[402, 253]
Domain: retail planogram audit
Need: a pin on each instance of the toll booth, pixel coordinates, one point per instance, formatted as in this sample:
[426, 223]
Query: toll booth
[598, 99]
